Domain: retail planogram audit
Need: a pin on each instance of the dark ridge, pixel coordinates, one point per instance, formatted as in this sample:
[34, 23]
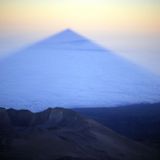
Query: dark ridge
[59, 134]
[140, 122]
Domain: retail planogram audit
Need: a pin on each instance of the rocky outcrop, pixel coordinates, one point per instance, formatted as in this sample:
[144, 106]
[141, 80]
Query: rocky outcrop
[57, 134]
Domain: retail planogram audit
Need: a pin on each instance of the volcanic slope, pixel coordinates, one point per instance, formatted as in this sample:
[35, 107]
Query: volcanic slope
[60, 134]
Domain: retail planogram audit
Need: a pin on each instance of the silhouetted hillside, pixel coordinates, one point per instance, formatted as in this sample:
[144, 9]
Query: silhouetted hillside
[63, 134]
[140, 122]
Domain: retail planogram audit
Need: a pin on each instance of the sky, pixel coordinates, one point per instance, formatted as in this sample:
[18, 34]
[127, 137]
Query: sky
[130, 28]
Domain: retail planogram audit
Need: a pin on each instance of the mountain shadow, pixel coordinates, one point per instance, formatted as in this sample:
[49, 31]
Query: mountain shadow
[69, 70]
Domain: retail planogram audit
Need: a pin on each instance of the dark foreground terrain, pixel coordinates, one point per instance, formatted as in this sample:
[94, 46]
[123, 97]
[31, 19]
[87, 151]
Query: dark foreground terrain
[63, 134]
[140, 122]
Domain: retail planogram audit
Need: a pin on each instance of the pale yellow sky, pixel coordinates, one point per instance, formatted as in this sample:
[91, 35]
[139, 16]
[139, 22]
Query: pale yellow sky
[131, 28]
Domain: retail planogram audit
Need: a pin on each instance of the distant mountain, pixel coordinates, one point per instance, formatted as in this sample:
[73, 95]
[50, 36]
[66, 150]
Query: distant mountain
[69, 70]
[140, 122]
[62, 134]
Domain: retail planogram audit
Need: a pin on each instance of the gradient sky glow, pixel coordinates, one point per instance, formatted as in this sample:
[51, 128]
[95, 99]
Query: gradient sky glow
[131, 28]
